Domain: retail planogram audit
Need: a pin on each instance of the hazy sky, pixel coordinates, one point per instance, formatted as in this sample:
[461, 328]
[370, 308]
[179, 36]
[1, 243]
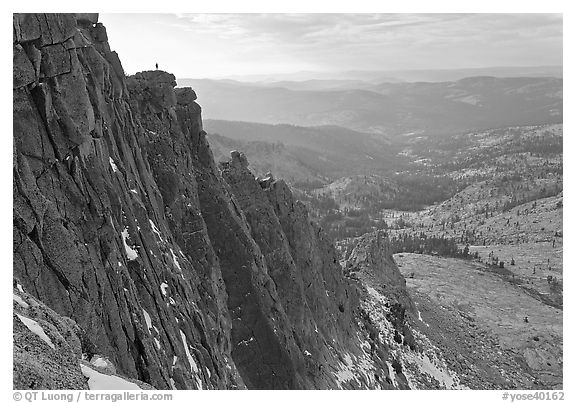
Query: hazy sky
[215, 45]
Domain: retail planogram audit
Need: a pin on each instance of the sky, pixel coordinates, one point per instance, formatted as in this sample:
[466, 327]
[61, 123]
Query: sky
[223, 45]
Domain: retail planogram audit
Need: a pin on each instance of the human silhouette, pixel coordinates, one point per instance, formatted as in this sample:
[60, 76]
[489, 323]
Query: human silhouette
[156, 66]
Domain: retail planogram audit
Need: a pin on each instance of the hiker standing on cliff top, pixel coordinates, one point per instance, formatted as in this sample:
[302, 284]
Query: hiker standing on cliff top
[156, 66]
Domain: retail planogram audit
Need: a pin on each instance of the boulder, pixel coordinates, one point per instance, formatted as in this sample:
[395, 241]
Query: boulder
[239, 160]
[185, 96]
[86, 19]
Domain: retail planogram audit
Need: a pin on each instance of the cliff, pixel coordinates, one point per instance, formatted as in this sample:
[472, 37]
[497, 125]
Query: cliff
[94, 237]
[179, 273]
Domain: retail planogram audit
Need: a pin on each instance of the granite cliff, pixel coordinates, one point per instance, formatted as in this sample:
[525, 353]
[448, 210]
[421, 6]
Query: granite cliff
[173, 271]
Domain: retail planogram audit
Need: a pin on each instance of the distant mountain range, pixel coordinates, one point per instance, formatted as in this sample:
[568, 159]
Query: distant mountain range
[430, 75]
[393, 109]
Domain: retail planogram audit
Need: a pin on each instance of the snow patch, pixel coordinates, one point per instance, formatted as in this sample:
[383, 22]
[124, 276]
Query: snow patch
[190, 359]
[429, 362]
[36, 329]
[358, 367]
[392, 374]
[246, 342]
[422, 320]
[147, 319]
[113, 165]
[98, 381]
[188, 354]
[175, 259]
[432, 368]
[130, 253]
[20, 301]
[163, 288]
[19, 287]
[155, 230]
[416, 365]
[345, 374]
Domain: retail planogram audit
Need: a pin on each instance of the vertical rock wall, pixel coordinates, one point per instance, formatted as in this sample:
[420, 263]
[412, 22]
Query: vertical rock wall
[183, 274]
[92, 236]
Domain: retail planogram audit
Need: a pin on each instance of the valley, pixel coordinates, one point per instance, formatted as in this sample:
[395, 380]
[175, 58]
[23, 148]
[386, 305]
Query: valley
[492, 186]
[475, 222]
[497, 320]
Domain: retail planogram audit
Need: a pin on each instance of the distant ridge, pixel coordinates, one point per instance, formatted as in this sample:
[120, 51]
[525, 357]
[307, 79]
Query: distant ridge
[430, 75]
[429, 108]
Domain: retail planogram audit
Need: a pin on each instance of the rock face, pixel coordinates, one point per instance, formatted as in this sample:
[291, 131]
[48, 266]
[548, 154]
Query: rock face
[309, 282]
[370, 260]
[175, 272]
[94, 235]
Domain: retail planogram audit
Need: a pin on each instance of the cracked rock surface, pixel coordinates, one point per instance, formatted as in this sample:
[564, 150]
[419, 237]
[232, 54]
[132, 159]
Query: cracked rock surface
[152, 261]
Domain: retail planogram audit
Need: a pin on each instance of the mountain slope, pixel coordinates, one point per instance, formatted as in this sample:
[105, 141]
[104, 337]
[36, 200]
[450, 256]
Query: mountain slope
[304, 154]
[293, 165]
[360, 191]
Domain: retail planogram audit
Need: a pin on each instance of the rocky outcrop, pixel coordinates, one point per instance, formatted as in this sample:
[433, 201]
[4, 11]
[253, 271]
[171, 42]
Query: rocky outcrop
[394, 323]
[174, 272]
[370, 259]
[312, 304]
[338, 340]
[199, 204]
[93, 239]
